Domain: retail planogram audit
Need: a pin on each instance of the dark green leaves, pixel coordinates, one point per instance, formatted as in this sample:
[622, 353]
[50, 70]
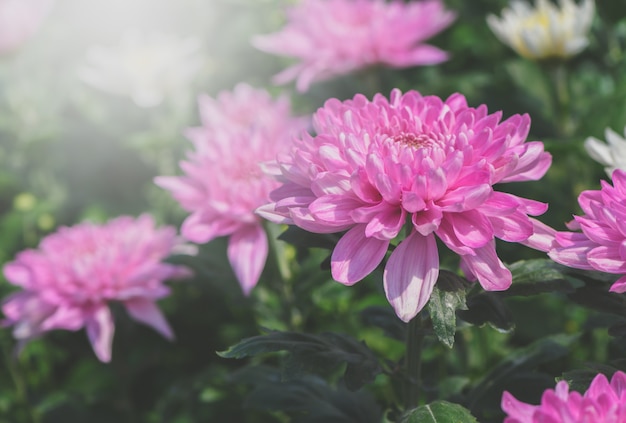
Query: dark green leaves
[319, 354]
[447, 297]
[439, 412]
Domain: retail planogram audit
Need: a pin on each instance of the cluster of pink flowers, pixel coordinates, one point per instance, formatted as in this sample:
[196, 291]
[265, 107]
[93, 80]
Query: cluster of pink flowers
[601, 242]
[603, 402]
[414, 162]
[68, 282]
[223, 182]
[337, 37]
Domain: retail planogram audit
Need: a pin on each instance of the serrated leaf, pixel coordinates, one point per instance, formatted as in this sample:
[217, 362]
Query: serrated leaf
[442, 308]
[439, 412]
[313, 353]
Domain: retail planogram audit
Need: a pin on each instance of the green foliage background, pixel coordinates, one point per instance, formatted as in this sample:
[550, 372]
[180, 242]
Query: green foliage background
[69, 152]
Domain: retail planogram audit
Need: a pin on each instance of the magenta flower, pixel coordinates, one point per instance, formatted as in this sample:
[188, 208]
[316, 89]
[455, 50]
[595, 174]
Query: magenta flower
[223, 182]
[603, 402]
[19, 20]
[68, 282]
[336, 37]
[419, 163]
[601, 242]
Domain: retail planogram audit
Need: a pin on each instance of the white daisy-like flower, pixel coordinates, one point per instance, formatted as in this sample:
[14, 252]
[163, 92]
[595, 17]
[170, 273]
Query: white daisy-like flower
[145, 67]
[546, 30]
[611, 154]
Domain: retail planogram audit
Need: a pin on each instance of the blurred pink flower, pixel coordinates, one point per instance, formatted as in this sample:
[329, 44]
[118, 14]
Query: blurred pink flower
[19, 20]
[336, 37]
[601, 244]
[420, 163]
[603, 402]
[69, 280]
[223, 182]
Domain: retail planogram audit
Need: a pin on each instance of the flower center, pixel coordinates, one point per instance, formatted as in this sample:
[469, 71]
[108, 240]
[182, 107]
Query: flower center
[412, 140]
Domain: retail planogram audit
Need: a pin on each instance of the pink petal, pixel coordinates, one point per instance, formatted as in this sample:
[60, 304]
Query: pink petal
[198, 229]
[543, 237]
[17, 274]
[619, 285]
[410, 274]
[465, 198]
[488, 269]
[334, 208]
[355, 256]
[471, 228]
[606, 259]
[516, 227]
[147, 312]
[517, 410]
[247, 253]
[100, 329]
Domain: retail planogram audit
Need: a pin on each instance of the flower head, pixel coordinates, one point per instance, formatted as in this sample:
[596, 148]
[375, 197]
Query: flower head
[223, 182]
[603, 402]
[601, 242]
[144, 67]
[68, 282]
[545, 31]
[376, 167]
[613, 155]
[19, 20]
[336, 37]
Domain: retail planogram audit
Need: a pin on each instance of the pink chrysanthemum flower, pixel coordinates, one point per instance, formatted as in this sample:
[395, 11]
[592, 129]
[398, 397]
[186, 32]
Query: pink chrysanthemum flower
[223, 182]
[19, 20]
[69, 280]
[601, 244]
[336, 37]
[603, 402]
[411, 162]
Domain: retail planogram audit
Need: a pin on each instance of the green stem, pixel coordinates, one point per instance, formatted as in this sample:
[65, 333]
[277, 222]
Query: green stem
[18, 381]
[278, 256]
[559, 77]
[413, 362]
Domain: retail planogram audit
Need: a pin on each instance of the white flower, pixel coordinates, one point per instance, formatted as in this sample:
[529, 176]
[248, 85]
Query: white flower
[145, 67]
[545, 31]
[611, 154]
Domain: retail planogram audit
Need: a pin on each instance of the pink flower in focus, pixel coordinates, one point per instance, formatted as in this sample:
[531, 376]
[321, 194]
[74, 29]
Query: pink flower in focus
[69, 280]
[601, 242]
[420, 163]
[336, 37]
[603, 402]
[223, 182]
[19, 20]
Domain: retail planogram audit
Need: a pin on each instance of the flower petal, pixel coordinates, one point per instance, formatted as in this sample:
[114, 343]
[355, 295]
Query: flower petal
[100, 329]
[410, 274]
[147, 312]
[247, 253]
[488, 269]
[356, 256]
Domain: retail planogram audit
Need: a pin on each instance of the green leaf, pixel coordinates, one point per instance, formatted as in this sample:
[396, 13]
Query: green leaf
[490, 308]
[313, 353]
[541, 351]
[531, 277]
[448, 296]
[439, 412]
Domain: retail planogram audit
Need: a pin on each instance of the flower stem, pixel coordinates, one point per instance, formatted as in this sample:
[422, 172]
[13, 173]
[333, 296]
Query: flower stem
[558, 74]
[413, 361]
